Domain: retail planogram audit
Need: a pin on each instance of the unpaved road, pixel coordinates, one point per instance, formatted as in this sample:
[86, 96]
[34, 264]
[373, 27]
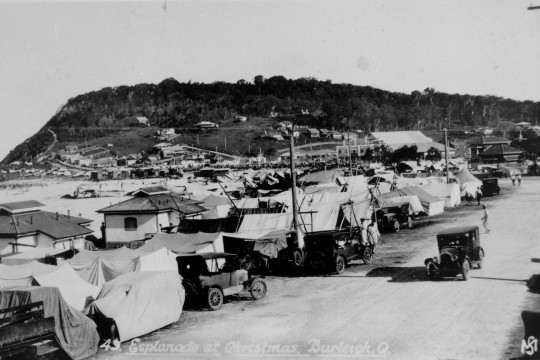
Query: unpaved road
[384, 310]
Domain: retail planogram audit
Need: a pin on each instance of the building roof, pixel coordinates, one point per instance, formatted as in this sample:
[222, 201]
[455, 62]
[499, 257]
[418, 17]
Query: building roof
[401, 137]
[155, 204]
[213, 200]
[21, 206]
[151, 190]
[490, 140]
[500, 150]
[57, 227]
[93, 151]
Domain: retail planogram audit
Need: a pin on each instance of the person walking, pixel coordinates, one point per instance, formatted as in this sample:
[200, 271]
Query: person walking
[513, 177]
[478, 195]
[485, 218]
[519, 179]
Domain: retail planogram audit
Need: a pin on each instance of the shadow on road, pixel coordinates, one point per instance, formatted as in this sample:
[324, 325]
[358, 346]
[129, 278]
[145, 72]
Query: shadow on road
[400, 274]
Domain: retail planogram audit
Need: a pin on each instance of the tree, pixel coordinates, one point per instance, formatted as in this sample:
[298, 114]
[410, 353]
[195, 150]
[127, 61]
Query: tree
[270, 152]
[433, 154]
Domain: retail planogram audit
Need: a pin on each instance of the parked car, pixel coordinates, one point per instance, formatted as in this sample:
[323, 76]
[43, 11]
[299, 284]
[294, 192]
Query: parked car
[335, 249]
[392, 218]
[459, 251]
[490, 186]
[225, 279]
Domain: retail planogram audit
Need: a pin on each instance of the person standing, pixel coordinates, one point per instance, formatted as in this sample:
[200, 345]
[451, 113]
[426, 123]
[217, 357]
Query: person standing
[478, 195]
[513, 177]
[485, 218]
[373, 234]
[519, 179]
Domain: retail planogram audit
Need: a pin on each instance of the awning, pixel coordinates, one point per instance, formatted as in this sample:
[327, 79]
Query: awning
[511, 158]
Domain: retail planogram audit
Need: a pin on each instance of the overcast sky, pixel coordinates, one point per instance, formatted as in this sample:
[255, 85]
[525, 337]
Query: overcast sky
[50, 52]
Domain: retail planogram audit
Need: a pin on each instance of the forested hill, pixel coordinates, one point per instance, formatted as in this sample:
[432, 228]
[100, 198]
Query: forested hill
[174, 104]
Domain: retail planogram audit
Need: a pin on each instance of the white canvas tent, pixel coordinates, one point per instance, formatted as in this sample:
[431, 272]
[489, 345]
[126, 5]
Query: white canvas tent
[448, 192]
[75, 291]
[394, 199]
[22, 275]
[98, 267]
[431, 204]
[468, 182]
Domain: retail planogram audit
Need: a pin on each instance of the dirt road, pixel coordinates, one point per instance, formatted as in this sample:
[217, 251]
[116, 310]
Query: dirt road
[386, 309]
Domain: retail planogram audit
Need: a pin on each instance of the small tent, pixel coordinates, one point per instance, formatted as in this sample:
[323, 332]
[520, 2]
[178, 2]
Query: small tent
[22, 275]
[468, 182]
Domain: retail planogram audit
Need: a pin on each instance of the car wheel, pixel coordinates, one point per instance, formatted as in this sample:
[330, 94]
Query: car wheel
[431, 271]
[340, 264]
[409, 222]
[316, 260]
[395, 224]
[465, 270]
[368, 255]
[214, 298]
[258, 289]
[480, 258]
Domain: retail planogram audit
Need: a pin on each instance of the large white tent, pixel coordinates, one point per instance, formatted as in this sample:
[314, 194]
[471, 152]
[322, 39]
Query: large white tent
[450, 193]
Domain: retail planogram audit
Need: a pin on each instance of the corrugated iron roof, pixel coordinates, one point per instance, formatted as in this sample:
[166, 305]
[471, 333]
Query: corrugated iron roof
[44, 222]
[155, 204]
[21, 205]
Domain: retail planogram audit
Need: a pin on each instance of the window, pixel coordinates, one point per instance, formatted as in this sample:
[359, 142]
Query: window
[130, 224]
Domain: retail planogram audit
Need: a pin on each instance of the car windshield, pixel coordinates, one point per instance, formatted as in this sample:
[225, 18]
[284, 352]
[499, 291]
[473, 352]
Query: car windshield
[453, 240]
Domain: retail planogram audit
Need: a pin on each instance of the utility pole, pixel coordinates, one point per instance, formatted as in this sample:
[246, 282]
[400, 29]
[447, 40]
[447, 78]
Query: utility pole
[446, 153]
[293, 179]
[349, 150]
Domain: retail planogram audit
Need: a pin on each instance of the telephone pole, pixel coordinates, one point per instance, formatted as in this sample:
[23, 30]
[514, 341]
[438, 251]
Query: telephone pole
[293, 179]
[446, 153]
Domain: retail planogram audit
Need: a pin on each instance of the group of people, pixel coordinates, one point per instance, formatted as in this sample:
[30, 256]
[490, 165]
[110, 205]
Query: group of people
[514, 177]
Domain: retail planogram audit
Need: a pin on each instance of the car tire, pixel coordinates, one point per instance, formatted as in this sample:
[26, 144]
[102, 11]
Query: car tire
[368, 255]
[465, 267]
[257, 289]
[317, 260]
[395, 225]
[340, 264]
[480, 263]
[214, 298]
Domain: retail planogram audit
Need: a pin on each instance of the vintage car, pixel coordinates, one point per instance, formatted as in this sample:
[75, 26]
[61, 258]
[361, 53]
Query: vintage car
[490, 187]
[392, 218]
[335, 249]
[212, 276]
[459, 251]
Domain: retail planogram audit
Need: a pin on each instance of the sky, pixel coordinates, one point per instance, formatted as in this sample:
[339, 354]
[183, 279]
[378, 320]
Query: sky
[53, 51]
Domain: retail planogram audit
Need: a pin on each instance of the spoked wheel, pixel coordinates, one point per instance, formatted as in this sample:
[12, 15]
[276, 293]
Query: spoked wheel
[340, 264]
[258, 289]
[368, 255]
[317, 260]
[465, 270]
[214, 298]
